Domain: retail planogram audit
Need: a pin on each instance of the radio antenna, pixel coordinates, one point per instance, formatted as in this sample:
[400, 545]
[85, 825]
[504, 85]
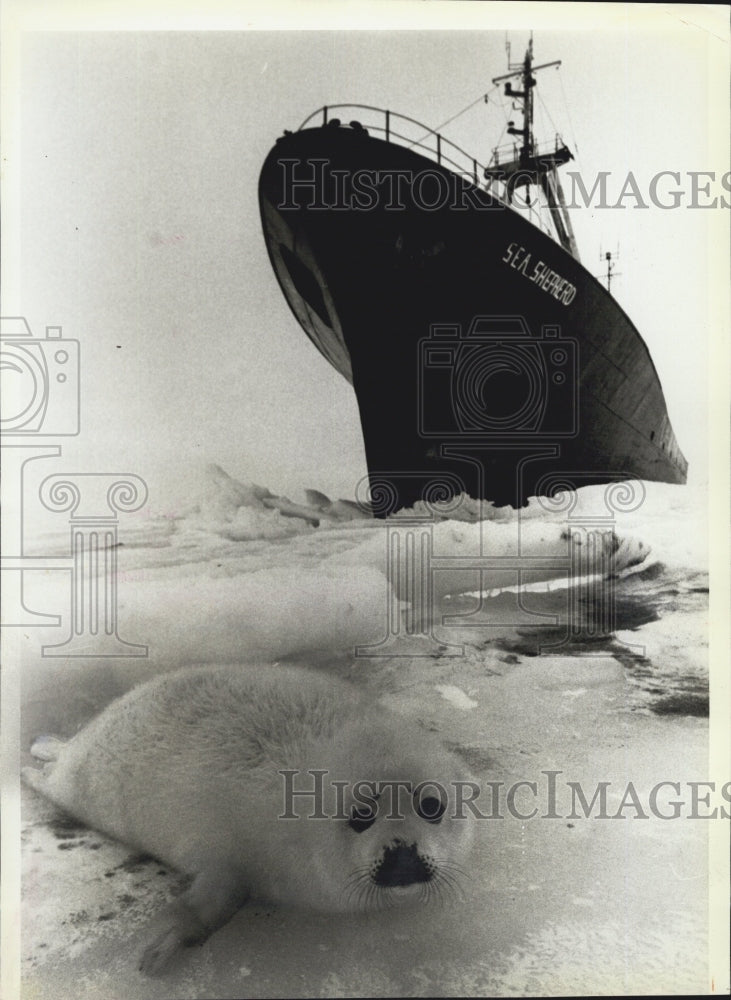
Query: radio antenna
[609, 258]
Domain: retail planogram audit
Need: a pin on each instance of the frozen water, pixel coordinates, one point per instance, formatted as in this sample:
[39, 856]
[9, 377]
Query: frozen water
[514, 670]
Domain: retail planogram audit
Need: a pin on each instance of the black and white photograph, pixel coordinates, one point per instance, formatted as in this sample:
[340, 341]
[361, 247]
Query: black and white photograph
[365, 554]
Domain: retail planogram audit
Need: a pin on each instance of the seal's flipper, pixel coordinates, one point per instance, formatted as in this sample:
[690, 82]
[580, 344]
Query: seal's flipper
[208, 904]
[46, 747]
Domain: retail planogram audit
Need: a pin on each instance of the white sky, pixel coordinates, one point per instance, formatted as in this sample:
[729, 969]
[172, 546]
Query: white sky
[139, 224]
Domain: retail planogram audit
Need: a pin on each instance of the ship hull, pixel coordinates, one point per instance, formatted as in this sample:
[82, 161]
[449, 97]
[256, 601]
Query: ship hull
[485, 359]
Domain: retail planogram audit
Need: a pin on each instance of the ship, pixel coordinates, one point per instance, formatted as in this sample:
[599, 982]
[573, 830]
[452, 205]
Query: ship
[486, 359]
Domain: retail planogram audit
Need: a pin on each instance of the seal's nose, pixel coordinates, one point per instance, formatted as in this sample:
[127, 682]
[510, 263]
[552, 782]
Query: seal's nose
[401, 865]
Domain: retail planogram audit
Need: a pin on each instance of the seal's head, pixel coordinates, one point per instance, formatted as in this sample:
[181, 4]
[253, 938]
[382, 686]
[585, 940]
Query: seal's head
[399, 830]
[409, 843]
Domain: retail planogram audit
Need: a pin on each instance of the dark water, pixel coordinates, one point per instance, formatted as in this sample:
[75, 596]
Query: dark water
[665, 664]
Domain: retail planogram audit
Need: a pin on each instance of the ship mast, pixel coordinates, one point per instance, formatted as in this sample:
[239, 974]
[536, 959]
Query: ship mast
[529, 167]
[611, 265]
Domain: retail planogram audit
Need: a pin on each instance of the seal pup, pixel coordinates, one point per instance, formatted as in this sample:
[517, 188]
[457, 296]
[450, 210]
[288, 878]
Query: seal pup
[273, 783]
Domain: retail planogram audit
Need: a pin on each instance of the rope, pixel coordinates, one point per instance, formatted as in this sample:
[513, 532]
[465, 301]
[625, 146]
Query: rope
[482, 98]
[449, 121]
[544, 109]
[568, 115]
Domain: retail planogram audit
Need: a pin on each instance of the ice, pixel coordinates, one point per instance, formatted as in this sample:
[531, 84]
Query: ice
[257, 614]
[456, 697]
[236, 573]
[239, 572]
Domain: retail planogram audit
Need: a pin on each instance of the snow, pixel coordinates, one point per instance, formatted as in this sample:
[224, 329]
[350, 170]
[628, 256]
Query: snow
[489, 663]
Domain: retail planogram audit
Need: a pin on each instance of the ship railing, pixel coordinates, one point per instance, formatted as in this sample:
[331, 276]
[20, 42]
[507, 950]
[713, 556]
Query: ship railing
[510, 152]
[435, 146]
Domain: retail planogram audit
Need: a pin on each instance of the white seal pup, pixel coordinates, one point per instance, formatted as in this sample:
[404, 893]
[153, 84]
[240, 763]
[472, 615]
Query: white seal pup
[273, 783]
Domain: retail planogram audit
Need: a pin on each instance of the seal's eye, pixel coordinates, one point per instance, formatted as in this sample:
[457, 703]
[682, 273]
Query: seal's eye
[430, 808]
[361, 819]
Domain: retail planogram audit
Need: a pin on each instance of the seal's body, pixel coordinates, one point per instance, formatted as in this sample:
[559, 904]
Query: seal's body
[272, 782]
